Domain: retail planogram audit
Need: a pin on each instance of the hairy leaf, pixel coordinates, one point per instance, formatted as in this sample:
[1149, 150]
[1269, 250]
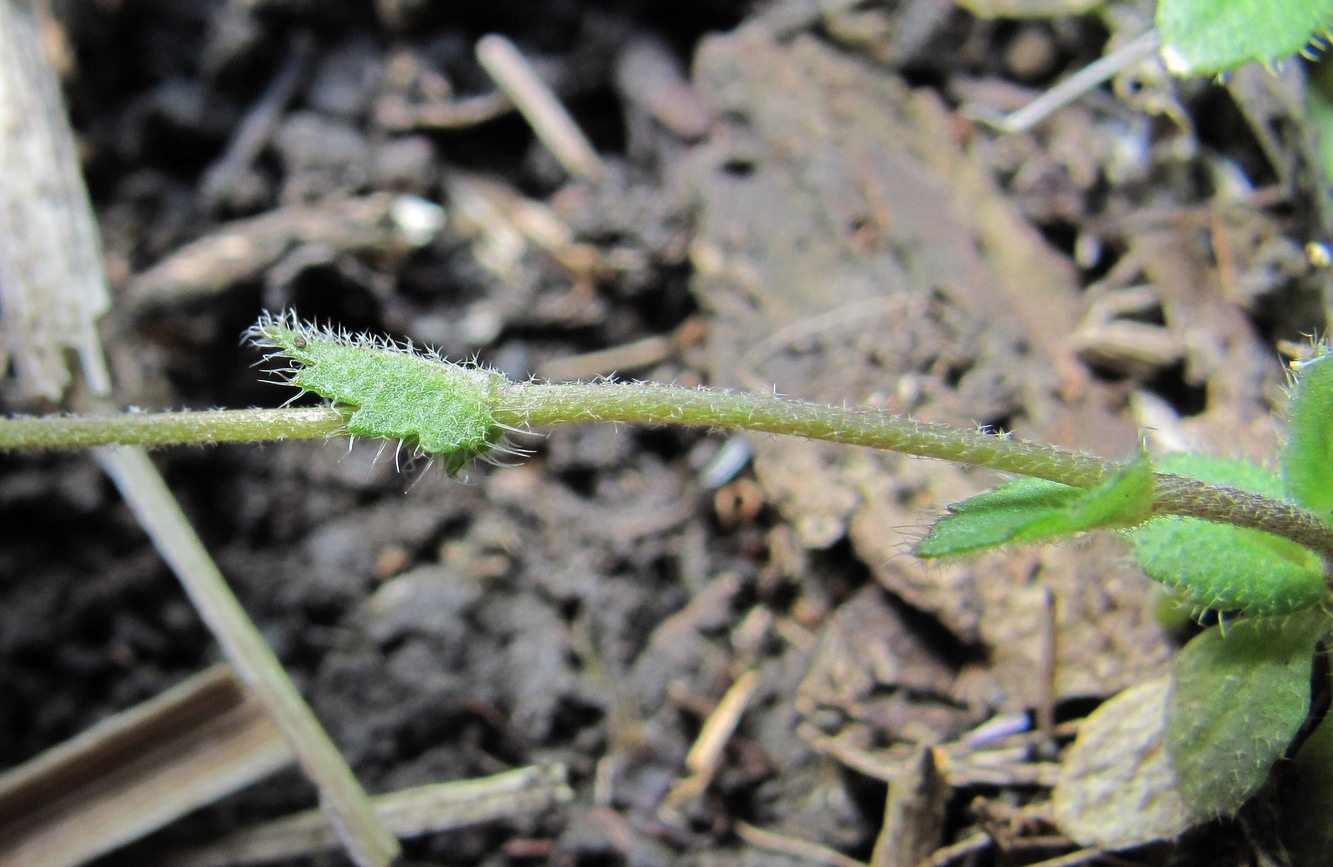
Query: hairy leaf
[1035, 510]
[395, 392]
[1239, 694]
[1219, 566]
[1205, 37]
[1307, 459]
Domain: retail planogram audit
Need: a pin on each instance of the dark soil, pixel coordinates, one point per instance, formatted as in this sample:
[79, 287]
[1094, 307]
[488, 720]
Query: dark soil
[592, 605]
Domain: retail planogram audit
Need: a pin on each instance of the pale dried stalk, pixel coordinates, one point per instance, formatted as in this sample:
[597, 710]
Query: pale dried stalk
[53, 289]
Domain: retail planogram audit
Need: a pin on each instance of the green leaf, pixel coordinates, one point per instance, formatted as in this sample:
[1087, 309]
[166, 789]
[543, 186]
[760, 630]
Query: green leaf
[1035, 510]
[1205, 37]
[1209, 565]
[995, 517]
[1307, 459]
[1239, 694]
[435, 407]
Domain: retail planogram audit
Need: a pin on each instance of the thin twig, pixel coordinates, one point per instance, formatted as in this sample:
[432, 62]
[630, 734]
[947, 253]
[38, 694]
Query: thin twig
[1072, 87]
[535, 101]
[253, 133]
[794, 847]
[344, 802]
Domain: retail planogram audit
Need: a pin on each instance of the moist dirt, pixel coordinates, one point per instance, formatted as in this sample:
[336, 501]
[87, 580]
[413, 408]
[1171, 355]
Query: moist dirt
[794, 196]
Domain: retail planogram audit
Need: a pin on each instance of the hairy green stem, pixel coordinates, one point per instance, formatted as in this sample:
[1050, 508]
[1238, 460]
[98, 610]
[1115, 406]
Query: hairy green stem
[1191, 498]
[540, 404]
[169, 428]
[523, 405]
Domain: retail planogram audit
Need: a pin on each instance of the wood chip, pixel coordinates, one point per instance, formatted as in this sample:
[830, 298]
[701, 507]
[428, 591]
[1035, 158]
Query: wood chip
[138, 771]
[913, 814]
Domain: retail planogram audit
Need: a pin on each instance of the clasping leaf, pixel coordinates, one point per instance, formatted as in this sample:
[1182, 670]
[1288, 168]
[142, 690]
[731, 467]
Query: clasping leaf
[1228, 568]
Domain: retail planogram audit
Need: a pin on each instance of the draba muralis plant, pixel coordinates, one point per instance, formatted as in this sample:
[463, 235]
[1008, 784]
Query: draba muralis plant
[1221, 535]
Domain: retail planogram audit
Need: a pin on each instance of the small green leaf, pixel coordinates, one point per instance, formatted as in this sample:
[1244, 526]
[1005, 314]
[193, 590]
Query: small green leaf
[1205, 37]
[1209, 565]
[1307, 459]
[1239, 694]
[1035, 510]
[437, 408]
[995, 517]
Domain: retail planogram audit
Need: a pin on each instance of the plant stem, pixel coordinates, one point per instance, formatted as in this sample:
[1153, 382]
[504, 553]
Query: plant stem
[169, 428]
[522, 405]
[540, 404]
[1191, 498]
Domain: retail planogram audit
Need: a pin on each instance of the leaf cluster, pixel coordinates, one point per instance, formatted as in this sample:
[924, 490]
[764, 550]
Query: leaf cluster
[1242, 690]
